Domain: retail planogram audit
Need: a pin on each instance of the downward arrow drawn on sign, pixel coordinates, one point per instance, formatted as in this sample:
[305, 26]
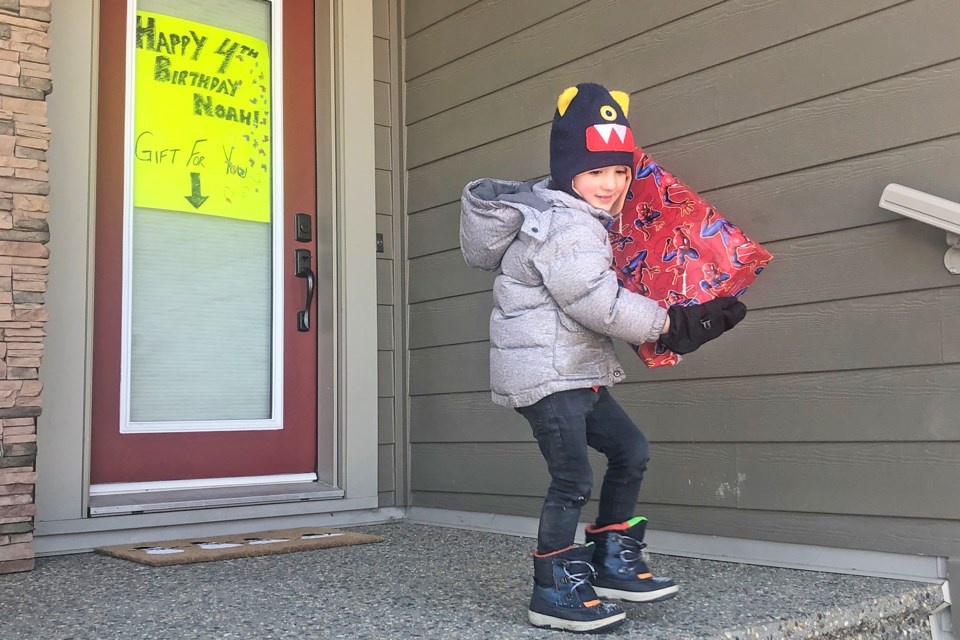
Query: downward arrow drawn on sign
[195, 198]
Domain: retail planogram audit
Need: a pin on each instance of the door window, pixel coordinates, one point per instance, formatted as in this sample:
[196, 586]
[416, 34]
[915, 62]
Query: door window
[201, 295]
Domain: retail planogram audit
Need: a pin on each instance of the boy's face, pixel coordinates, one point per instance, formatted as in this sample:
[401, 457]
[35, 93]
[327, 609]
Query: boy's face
[603, 188]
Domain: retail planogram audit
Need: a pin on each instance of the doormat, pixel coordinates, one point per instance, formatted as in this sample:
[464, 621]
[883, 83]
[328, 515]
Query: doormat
[244, 545]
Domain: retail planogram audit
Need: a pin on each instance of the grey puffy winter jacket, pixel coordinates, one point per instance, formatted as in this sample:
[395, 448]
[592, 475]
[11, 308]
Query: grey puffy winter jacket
[556, 302]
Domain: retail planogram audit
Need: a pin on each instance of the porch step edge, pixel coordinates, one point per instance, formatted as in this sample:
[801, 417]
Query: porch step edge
[905, 616]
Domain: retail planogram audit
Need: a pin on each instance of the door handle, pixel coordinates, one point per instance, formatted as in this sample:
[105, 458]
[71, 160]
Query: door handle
[302, 269]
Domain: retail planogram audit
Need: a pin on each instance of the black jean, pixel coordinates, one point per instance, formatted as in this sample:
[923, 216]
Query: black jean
[565, 424]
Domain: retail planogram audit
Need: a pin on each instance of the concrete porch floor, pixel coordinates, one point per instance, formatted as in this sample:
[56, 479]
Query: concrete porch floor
[431, 582]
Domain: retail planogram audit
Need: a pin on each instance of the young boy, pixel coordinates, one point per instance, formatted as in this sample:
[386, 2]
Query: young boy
[557, 304]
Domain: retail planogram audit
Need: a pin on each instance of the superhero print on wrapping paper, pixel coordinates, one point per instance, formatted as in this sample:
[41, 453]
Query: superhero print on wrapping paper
[646, 220]
[671, 191]
[679, 247]
[657, 355]
[677, 299]
[636, 270]
[618, 240]
[714, 280]
[693, 253]
[677, 251]
[749, 254]
[742, 252]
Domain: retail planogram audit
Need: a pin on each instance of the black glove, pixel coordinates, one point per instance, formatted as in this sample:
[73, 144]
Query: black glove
[692, 326]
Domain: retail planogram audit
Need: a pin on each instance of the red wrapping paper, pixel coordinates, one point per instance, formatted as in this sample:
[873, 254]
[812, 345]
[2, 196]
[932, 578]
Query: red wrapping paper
[672, 246]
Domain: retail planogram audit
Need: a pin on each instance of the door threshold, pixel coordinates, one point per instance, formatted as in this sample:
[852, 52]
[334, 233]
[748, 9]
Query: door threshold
[186, 499]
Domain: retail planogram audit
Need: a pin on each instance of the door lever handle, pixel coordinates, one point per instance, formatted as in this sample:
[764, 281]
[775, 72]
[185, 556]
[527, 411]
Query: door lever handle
[302, 269]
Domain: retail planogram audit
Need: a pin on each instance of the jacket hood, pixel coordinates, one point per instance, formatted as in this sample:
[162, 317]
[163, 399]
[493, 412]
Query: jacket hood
[493, 212]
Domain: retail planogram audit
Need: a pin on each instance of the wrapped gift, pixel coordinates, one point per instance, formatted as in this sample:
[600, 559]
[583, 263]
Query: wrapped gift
[672, 246]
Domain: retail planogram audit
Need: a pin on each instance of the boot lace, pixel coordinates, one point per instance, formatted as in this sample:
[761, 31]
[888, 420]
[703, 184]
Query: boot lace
[581, 577]
[633, 554]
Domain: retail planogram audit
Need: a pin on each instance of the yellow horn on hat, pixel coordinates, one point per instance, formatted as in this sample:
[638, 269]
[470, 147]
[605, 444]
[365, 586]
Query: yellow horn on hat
[623, 99]
[565, 99]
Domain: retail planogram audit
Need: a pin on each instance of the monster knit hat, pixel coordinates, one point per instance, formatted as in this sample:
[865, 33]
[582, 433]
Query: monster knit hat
[590, 131]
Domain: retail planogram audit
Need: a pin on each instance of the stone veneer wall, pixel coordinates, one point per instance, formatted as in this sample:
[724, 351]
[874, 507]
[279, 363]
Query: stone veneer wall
[25, 81]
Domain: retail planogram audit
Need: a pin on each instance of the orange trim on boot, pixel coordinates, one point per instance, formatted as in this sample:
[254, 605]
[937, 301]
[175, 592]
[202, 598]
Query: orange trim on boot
[552, 553]
[591, 603]
[644, 576]
[620, 526]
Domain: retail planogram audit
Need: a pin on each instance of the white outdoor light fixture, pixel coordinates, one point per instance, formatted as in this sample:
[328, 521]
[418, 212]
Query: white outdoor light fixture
[941, 213]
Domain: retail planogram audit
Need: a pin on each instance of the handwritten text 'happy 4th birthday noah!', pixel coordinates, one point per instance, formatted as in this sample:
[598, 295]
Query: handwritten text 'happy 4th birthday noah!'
[191, 45]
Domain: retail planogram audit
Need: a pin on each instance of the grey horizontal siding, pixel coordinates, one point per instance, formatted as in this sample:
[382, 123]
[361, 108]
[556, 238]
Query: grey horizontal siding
[385, 421]
[875, 117]
[950, 331]
[518, 469]
[881, 479]
[902, 404]
[381, 18]
[386, 467]
[381, 59]
[383, 151]
[382, 108]
[384, 327]
[385, 292]
[387, 499]
[419, 14]
[474, 27]
[385, 374]
[567, 36]
[450, 320]
[828, 416]
[881, 533]
[445, 274]
[383, 184]
[731, 78]
[434, 230]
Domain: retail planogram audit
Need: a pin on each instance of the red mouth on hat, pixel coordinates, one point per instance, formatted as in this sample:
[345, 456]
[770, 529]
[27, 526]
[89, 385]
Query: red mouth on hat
[609, 137]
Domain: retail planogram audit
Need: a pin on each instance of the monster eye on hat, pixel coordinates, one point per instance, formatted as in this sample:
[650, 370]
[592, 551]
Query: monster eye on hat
[590, 131]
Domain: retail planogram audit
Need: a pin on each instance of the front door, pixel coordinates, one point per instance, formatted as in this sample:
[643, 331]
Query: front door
[205, 332]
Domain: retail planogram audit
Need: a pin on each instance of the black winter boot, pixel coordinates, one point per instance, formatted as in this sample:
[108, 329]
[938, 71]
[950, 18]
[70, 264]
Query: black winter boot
[622, 573]
[562, 595]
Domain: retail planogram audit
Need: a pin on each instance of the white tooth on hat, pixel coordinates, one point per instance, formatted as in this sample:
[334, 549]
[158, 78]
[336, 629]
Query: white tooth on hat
[604, 130]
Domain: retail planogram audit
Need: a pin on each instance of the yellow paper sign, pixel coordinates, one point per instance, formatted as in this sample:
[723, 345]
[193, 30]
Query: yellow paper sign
[201, 119]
